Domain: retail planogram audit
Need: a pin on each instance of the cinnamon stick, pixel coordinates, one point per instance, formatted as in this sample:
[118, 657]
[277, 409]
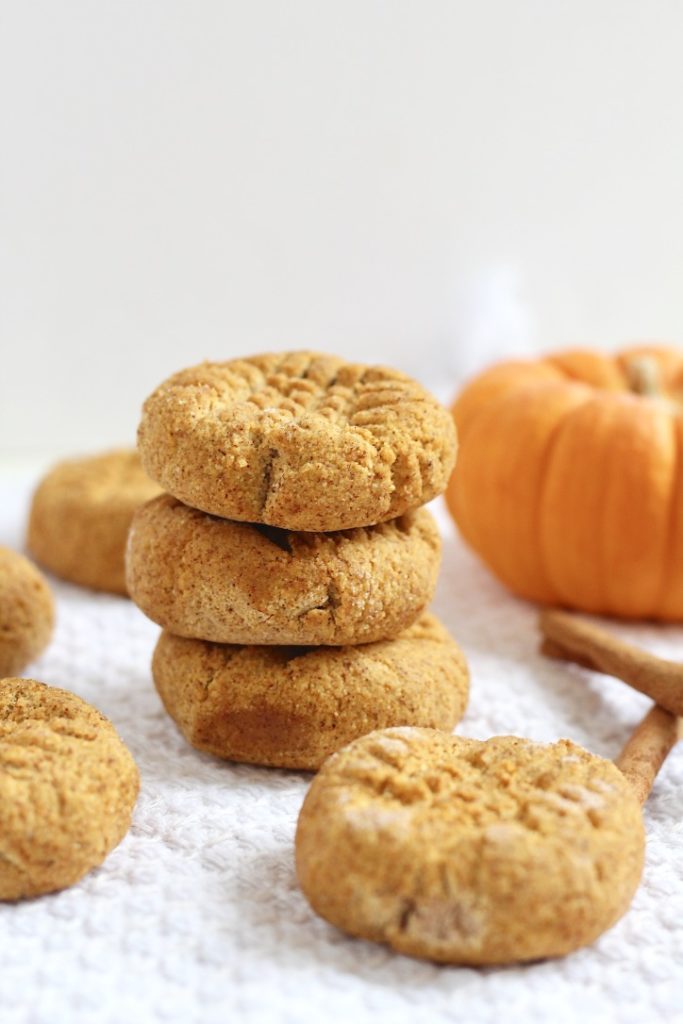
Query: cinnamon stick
[647, 749]
[572, 638]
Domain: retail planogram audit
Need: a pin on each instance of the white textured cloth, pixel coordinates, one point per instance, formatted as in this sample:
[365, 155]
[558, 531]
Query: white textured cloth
[196, 916]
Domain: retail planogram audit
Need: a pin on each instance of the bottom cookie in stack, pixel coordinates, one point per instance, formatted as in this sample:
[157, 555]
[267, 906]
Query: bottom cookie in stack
[291, 707]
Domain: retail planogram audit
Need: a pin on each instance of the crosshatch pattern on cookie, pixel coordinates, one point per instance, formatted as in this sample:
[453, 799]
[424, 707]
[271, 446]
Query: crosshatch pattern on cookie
[67, 788]
[466, 851]
[302, 441]
[303, 382]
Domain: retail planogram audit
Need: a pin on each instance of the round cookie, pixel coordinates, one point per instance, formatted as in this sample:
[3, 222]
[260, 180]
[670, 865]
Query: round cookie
[469, 852]
[290, 707]
[297, 440]
[27, 612]
[239, 583]
[80, 515]
[68, 786]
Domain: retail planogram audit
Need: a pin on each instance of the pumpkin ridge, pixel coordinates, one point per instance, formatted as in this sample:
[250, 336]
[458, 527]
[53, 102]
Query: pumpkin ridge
[558, 576]
[610, 478]
[603, 533]
[636, 516]
[538, 505]
[495, 384]
[528, 578]
[460, 497]
[668, 565]
[600, 372]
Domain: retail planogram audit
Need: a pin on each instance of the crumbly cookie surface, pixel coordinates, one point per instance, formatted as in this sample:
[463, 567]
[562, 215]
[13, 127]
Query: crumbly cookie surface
[290, 707]
[215, 579]
[67, 788]
[27, 612]
[469, 852]
[297, 440]
[80, 516]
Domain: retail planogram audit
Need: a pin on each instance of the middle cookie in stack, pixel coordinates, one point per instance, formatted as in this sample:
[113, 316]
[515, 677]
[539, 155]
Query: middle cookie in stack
[279, 647]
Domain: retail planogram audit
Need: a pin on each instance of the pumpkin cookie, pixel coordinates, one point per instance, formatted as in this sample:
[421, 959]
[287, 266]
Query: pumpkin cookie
[297, 440]
[469, 852]
[80, 517]
[214, 579]
[27, 612]
[67, 788]
[291, 707]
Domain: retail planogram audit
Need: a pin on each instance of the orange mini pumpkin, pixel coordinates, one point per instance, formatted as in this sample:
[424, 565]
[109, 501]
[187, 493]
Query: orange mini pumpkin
[569, 482]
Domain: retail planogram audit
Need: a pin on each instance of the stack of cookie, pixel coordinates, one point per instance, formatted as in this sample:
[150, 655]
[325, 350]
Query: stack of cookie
[290, 561]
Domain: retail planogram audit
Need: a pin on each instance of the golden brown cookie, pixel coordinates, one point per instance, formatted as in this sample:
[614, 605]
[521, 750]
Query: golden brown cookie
[297, 440]
[80, 517]
[291, 707]
[237, 583]
[68, 786]
[27, 612]
[469, 852]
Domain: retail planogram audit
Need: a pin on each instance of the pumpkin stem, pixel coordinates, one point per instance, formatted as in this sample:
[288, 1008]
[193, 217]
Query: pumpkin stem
[643, 374]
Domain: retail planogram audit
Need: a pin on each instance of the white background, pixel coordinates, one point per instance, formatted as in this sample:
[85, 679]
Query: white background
[426, 183]
[429, 183]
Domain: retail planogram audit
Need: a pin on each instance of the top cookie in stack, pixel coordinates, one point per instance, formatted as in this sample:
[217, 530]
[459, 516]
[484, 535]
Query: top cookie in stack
[297, 440]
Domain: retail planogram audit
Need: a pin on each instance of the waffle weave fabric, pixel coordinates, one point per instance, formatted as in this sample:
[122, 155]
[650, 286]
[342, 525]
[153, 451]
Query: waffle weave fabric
[197, 917]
